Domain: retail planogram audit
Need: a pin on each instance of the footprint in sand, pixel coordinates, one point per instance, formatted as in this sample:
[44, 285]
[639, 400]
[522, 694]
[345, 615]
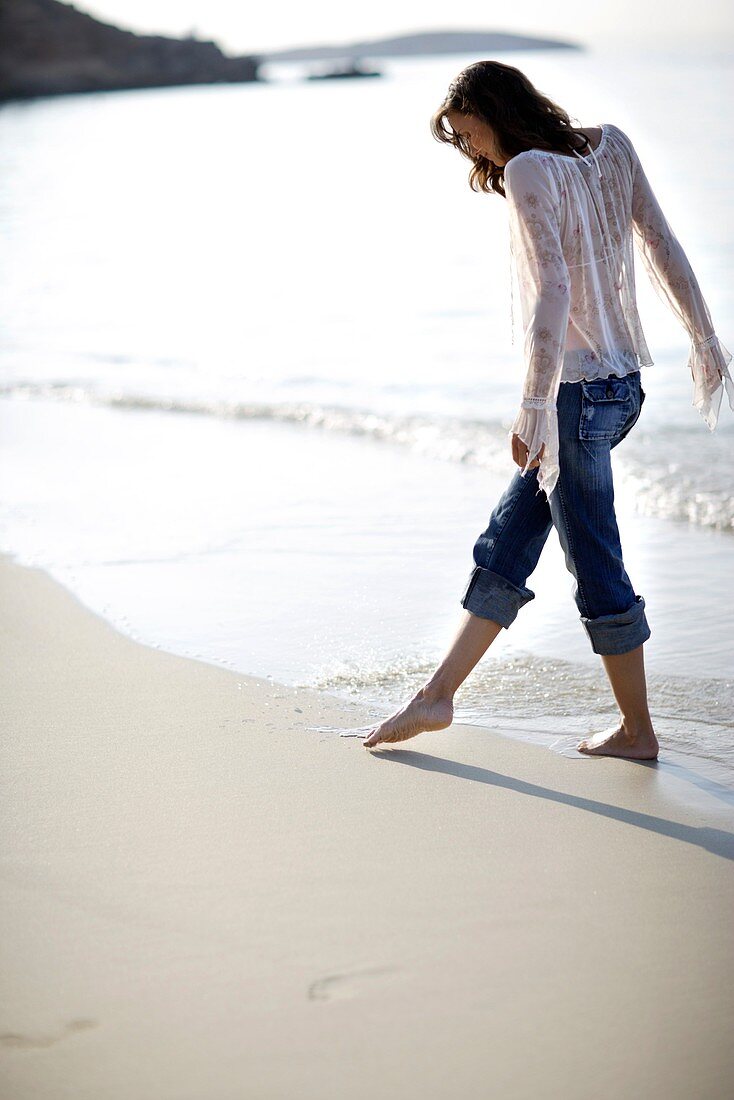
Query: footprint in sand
[341, 987]
[12, 1040]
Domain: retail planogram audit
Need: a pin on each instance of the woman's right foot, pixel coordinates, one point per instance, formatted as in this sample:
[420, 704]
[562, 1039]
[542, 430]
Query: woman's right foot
[420, 714]
[619, 741]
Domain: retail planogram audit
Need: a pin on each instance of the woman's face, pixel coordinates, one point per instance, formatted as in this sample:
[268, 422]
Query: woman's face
[480, 135]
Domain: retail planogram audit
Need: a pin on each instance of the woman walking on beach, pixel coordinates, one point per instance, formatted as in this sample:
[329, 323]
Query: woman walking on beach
[577, 198]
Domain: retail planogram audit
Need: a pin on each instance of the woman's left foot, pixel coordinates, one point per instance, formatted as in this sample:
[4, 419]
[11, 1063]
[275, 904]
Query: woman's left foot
[618, 741]
[417, 716]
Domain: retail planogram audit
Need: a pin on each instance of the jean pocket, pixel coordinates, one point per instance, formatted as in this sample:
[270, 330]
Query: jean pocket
[607, 404]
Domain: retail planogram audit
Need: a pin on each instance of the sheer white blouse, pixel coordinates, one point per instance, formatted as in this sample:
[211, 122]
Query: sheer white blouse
[572, 221]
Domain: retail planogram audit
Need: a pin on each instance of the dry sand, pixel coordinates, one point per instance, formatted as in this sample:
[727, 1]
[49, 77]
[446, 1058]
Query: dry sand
[204, 899]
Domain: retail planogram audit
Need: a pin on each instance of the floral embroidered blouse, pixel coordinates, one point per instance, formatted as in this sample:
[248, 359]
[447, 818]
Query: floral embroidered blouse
[573, 221]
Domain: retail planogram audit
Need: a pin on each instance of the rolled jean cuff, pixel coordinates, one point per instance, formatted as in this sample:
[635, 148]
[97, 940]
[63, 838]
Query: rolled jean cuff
[618, 633]
[491, 596]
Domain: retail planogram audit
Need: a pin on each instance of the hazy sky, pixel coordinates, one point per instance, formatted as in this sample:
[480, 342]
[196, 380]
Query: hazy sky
[237, 26]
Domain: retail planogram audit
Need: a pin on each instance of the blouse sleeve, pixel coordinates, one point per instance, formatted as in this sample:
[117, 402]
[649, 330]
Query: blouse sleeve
[544, 284]
[675, 283]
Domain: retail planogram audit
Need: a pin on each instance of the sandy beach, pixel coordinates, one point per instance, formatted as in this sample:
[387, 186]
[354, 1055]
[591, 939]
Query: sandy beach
[206, 896]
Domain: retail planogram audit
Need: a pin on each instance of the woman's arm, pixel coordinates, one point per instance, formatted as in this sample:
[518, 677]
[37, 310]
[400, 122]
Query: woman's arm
[544, 285]
[673, 278]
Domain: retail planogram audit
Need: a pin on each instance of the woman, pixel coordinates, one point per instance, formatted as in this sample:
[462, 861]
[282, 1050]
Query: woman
[576, 199]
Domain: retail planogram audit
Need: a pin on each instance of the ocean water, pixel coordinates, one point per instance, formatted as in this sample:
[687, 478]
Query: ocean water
[257, 373]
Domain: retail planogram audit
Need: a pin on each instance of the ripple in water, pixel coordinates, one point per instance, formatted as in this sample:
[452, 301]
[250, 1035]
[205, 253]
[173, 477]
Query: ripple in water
[662, 471]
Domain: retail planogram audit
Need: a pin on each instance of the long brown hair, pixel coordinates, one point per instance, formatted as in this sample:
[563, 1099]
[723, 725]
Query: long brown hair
[520, 116]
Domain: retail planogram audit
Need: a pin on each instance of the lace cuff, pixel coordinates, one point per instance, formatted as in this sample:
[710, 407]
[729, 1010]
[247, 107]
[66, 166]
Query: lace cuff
[708, 363]
[536, 425]
[708, 342]
[537, 402]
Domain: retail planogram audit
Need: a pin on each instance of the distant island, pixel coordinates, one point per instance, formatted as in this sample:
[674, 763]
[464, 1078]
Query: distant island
[50, 48]
[427, 43]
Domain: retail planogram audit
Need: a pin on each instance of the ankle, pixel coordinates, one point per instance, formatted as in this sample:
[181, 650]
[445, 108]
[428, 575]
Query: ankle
[436, 691]
[636, 725]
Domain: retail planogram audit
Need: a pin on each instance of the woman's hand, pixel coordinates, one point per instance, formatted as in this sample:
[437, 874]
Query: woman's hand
[520, 453]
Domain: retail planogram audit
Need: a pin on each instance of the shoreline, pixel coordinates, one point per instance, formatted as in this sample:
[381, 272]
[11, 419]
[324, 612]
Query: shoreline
[183, 858]
[265, 594]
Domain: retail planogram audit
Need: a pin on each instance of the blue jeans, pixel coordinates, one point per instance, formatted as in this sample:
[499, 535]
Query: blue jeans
[593, 417]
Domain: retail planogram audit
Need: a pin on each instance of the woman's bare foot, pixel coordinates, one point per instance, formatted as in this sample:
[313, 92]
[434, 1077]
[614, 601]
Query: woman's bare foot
[422, 713]
[633, 744]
